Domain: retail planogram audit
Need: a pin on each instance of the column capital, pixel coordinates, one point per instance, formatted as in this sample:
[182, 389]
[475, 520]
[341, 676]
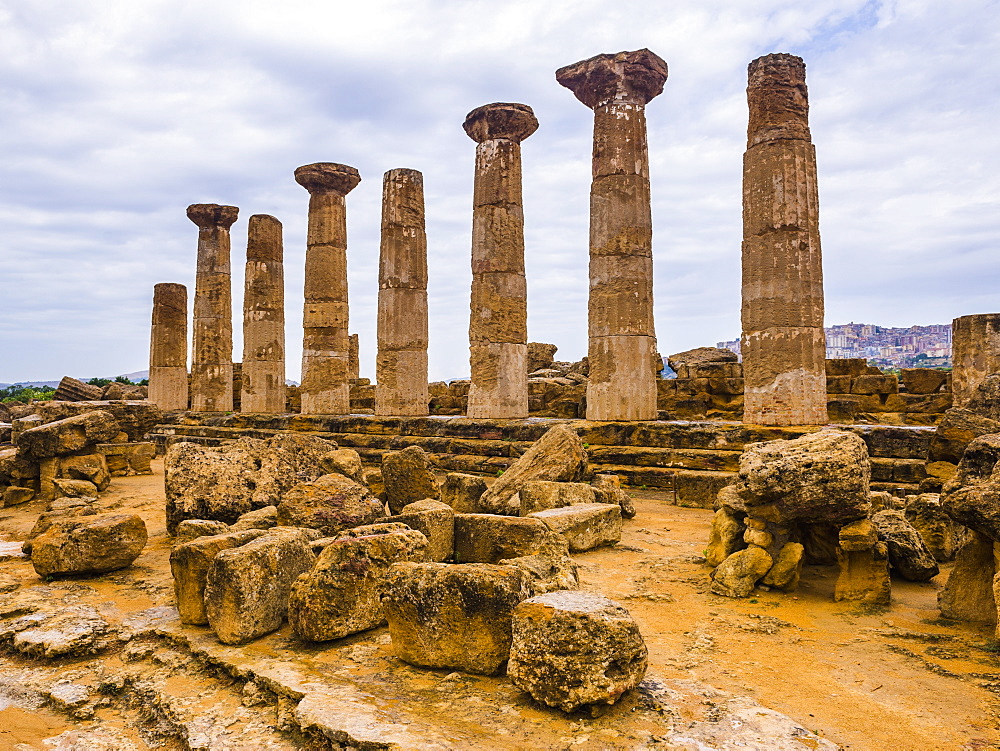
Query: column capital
[633, 77]
[514, 122]
[327, 177]
[212, 215]
[778, 99]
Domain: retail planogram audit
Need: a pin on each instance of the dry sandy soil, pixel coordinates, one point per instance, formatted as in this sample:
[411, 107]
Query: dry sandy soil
[901, 678]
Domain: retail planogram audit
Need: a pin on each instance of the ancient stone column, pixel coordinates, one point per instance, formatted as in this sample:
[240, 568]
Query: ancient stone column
[784, 345]
[212, 352]
[622, 339]
[263, 374]
[498, 324]
[325, 347]
[401, 365]
[975, 352]
[168, 375]
[353, 358]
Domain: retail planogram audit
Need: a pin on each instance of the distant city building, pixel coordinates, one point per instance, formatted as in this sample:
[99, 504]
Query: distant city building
[910, 347]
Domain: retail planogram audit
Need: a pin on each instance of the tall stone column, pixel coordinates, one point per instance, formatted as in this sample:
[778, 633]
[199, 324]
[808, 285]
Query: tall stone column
[168, 375]
[784, 345]
[401, 365]
[353, 357]
[325, 347]
[263, 375]
[498, 324]
[622, 339]
[975, 353]
[212, 353]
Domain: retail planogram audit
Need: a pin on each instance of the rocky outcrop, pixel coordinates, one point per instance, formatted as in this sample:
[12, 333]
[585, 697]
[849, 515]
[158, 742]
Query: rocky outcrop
[557, 455]
[571, 649]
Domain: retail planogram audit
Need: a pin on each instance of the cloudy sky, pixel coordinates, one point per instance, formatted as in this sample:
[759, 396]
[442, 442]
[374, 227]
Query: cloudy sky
[117, 115]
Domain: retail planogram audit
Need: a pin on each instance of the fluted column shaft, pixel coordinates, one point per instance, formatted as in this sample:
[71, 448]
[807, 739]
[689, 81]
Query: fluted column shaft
[325, 385]
[498, 322]
[784, 344]
[212, 351]
[622, 337]
[263, 375]
[168, 375]
[401, 364]
[975, 348]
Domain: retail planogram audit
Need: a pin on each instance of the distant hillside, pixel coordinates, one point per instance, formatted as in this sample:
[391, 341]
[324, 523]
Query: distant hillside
[136, 376]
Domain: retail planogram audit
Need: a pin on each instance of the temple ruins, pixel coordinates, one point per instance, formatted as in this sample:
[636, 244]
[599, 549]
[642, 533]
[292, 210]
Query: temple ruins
[325, 340]
[498, 323]
[545, 554]
[212, 350]
[401, 366]
[263, 374]
[783, 341]
[622, 341]
[168, 373]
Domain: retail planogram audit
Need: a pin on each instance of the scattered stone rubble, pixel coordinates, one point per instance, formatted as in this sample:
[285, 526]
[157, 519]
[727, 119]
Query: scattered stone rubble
[797, 501]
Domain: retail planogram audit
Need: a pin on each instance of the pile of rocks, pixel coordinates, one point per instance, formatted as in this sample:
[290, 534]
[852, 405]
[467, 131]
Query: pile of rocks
[809, 500]
[457, 587]
[72, 449]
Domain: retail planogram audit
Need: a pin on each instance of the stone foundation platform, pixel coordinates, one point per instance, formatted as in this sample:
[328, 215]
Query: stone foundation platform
[694, 459]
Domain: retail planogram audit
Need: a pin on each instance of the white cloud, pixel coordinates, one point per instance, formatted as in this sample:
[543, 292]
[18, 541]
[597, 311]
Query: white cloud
[119, 114]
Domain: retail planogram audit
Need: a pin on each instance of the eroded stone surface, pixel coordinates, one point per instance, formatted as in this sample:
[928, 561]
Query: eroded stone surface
[330, 503]
[585, 526]
[570, 649]
[408, 477]
[89, 544]
[453, 615]
[341, 594]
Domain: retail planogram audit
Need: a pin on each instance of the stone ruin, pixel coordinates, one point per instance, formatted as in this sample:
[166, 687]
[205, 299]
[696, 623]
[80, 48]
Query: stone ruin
[293, 527]
[477, 577]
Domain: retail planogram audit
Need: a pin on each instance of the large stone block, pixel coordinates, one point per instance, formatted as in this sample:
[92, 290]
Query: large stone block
[539, 495]
[929, 518]
[247, 587]
[557, 455]
[89, 544]
[820, 477]
[968, 595]
[488, 538]
[453, 616]
[225, 483]
[571, 649]
[135, 418]
[189, 564]
[68, 435]
[462, 492]
[972, 496]
[408, 477]
[585, 526]
[90, 467]
[908, 555]
[739, 573]
[342, 593]
[436, 520]
[330, 504]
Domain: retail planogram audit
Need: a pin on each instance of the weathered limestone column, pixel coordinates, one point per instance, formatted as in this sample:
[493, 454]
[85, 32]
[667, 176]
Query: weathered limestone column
[498, 324]
[622, 339]
[325, 347]
[168, 375]
[212, 352]
[353, 357]
[784, 345]
[401, 365]
[975, 353]
[263, 375]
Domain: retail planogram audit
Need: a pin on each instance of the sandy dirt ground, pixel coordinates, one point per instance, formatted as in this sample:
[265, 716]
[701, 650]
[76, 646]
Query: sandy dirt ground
[900, 678]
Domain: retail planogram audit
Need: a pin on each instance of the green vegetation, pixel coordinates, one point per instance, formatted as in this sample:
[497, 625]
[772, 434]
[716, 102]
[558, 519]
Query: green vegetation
[25, 394]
